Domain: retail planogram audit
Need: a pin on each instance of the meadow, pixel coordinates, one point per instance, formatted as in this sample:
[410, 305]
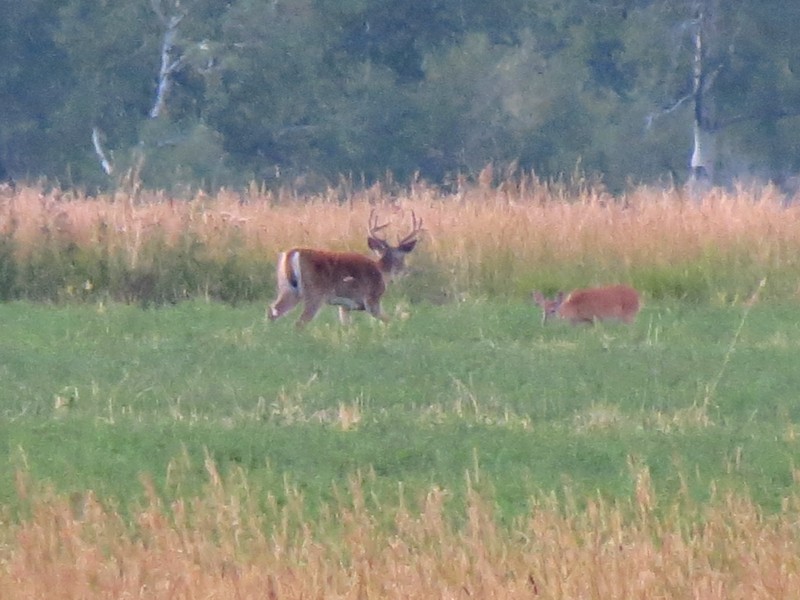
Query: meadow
[164, 440]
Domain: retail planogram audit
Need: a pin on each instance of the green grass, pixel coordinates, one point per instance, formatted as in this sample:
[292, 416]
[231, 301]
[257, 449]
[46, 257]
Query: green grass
[95, 396]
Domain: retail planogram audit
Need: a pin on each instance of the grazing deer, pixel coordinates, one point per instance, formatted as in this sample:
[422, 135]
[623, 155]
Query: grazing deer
[615, 302]
[348, 280]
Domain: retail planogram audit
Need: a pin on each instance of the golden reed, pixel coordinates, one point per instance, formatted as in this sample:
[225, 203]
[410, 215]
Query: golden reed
[479, 238]
[231, 542]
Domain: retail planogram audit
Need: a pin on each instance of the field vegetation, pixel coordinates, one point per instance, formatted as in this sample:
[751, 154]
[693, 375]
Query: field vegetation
[234, 542]
[483, 240]
[163, 440]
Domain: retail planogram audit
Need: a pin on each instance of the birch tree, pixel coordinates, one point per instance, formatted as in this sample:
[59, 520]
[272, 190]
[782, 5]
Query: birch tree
[169, 62]
[727, 63]
[704, 126]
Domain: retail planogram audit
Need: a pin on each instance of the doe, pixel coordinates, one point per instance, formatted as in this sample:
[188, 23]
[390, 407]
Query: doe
[614, 302]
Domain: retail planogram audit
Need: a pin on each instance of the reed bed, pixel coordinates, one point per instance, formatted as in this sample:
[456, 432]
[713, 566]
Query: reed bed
[236, 541]
[479, 240]
[232, 542]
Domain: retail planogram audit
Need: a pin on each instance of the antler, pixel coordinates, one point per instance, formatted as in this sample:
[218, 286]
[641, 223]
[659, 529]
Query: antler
[416, 228]
[373, 226]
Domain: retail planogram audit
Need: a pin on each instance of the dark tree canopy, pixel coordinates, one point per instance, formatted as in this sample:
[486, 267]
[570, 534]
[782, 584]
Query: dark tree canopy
[275, 91]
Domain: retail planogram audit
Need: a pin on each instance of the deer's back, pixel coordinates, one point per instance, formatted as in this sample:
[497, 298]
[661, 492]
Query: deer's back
[619, 302]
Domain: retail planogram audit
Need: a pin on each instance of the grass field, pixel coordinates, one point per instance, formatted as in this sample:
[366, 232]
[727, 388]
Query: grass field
[463, 450]
[95, 395]
[459, 450]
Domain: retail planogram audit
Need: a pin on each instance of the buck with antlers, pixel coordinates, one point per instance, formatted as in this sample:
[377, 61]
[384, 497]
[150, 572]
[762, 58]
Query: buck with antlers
[348, 280]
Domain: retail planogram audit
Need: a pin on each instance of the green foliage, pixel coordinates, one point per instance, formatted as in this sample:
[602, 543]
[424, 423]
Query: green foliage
[685, 282]
[58, 269]
[33, 83]
[96, 395]
[8, 268]
[280, 91]
[173, 272]
[180, 158]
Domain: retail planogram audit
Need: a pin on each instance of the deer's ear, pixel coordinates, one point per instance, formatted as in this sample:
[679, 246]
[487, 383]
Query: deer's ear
[408, 246]
[377, 245]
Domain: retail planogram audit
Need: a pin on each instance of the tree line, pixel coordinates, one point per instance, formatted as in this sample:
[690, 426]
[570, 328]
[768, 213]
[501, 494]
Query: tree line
[187, 94]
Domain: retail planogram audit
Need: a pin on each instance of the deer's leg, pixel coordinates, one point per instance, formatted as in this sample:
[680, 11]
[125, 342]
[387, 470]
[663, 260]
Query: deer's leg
[373, 307]
[344, 315]
[287, 299]
[310, 308]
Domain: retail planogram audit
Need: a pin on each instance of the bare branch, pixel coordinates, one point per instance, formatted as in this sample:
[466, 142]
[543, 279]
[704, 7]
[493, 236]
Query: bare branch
[651, 118]
[108, 168]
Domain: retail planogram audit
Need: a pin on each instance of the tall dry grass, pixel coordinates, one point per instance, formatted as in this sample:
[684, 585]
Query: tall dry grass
[233, 543]
[481, 240]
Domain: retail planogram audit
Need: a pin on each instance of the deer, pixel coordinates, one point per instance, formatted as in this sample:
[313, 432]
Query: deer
[614, 302]
[348, 280]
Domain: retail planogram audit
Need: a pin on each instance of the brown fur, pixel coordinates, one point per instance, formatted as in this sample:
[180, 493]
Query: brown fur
[348, 280]
[614, 302]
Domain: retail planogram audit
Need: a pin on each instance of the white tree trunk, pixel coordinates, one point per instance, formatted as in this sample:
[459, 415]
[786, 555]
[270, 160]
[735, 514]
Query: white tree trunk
[168, 66]
[704, 128]
[704, 154]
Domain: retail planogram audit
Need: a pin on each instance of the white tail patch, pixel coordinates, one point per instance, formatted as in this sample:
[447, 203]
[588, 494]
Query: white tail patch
[296, 272]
